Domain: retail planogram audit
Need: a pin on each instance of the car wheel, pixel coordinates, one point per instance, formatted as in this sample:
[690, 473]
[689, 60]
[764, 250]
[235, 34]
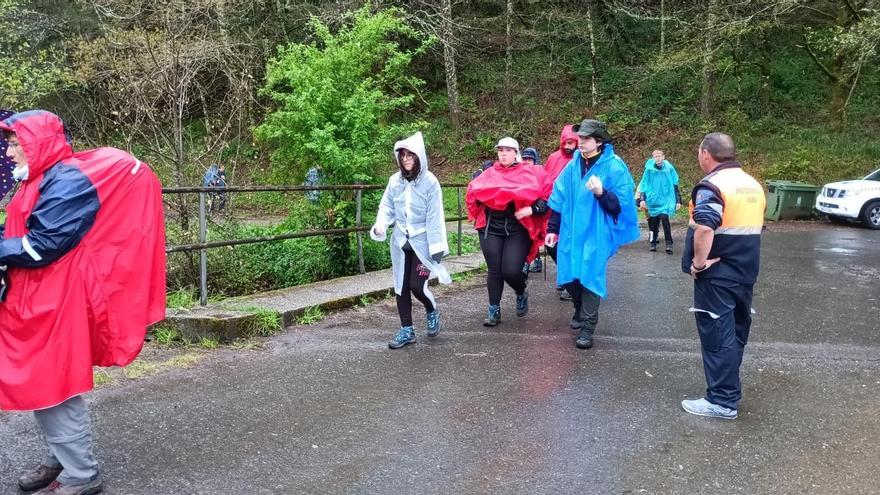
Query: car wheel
[837, 219]
[871, 215]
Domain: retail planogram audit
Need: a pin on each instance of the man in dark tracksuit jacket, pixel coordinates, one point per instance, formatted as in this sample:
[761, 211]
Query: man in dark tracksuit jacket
[722, 253]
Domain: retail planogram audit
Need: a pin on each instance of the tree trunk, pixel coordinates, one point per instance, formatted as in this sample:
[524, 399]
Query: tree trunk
[179, 103]
[764, 62]
[842, 82]
[708, 91]
[662, 27]
[508, 71]
[449, 65]
[594, 59]
[708, 83]
[840, 87]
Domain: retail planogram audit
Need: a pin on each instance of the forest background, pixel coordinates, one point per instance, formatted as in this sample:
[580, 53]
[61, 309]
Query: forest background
[272, 88]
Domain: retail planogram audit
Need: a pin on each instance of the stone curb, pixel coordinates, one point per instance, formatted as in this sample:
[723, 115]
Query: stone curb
[239, 317]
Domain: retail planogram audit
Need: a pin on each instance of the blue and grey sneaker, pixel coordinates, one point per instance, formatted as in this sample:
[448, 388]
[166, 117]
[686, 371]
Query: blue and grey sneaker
[433, 322]
[563, 294]
[493, 316]
[537, 266]
[702, 407]
[522, 304]
[406, 335]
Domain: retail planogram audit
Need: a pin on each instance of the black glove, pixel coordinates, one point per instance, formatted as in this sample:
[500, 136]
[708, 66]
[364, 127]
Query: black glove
[437, 257]
[4, 283]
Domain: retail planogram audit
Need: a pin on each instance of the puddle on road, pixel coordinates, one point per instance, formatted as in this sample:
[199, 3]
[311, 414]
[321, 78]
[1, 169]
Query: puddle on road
[837, 250]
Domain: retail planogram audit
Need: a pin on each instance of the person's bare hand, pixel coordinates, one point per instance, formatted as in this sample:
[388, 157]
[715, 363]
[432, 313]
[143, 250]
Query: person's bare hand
[696, 271]
[594, 184]
[523, 212]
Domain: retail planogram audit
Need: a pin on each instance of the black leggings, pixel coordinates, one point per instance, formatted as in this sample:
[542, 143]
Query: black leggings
[414, 277]
[654, 228]
[505, 257]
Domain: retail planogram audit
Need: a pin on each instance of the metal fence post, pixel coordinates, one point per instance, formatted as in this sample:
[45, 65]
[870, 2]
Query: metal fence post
[203, 253]
[359, 235]
[458, 192]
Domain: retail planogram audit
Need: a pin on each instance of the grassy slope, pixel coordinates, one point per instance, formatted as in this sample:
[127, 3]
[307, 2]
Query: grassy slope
[790, 141]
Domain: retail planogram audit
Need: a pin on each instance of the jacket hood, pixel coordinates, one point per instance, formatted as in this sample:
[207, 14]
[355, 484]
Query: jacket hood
[649, 165]
[414, 144]
[533, 154]
[566, 134]
[43, 139]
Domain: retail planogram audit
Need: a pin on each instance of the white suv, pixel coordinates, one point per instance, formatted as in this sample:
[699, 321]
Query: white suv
[852, 200]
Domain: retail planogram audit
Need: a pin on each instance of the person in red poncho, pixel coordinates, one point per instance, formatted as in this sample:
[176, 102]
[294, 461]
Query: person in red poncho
[83, 255]
[556, 162]
[507, 203]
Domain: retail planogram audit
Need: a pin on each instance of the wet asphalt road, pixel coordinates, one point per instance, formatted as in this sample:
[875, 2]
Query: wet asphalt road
[518, 409]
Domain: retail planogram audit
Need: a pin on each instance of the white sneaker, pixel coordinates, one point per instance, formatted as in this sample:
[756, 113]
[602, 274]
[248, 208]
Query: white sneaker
[702, 407]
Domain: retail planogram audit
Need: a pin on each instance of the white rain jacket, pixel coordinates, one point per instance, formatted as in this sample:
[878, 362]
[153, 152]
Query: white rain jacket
[415, 208]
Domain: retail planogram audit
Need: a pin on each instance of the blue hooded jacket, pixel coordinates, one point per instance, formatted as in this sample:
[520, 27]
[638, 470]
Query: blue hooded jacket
[210, 176]
[588, 235]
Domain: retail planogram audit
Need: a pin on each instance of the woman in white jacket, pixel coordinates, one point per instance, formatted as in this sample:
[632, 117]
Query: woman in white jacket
[413, 205]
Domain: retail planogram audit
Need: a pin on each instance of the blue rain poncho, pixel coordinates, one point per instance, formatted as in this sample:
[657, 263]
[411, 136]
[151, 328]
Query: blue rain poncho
[210, 176]
[588, 236]
[659, 188]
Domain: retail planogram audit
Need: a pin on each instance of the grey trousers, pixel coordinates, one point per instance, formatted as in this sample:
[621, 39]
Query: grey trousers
[67, 430]
[586, 307]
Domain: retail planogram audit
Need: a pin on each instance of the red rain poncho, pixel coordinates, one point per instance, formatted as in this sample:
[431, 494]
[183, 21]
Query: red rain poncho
[557, 161]
[105, 278]
[499, 185]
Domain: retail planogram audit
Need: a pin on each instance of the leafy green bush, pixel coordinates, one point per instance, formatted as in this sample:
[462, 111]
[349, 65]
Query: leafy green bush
[336, 97]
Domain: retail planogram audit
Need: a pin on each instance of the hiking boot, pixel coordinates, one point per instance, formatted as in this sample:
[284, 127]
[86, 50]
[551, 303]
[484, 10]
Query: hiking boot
[702, 407]
[585, 339]
[433, 323]
[537, 266]
[522, 304]
[88, 488]
[653, 246]
[563, 294]
[405, 336]
[669, 249]
[38, 477]
[493, 316]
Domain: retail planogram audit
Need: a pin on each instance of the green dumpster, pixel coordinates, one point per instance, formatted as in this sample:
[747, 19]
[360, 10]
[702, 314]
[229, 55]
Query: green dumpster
[787, 200]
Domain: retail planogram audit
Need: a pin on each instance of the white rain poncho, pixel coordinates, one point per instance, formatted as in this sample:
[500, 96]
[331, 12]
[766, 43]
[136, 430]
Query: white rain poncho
[415, 208]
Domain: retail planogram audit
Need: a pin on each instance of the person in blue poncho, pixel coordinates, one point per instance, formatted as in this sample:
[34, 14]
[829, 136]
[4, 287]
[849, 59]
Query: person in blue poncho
[593, 213]
[659, 195]
[209, 176]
